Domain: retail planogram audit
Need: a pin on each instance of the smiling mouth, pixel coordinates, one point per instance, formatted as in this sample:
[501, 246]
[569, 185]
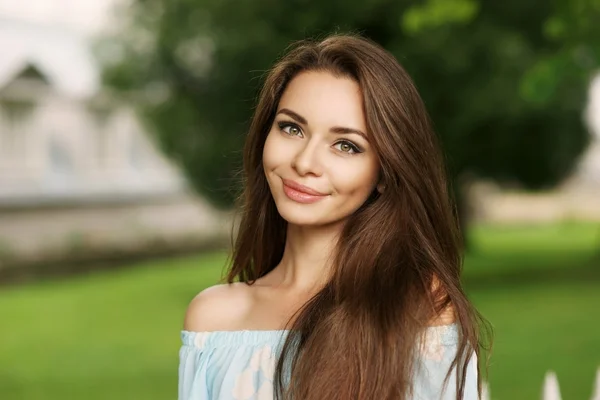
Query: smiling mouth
[300, 193]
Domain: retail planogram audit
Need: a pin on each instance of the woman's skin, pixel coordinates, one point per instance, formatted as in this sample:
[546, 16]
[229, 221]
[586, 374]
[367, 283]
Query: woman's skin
[312, 143]
[318, 140]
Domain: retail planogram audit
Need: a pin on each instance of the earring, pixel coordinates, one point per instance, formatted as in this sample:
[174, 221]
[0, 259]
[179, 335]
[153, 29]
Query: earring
[381, 188]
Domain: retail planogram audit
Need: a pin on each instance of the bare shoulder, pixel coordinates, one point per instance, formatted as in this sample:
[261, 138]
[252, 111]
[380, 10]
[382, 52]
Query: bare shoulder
[217, 308]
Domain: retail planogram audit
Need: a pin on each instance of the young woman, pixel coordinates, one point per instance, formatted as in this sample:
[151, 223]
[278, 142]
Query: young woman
[345, 280]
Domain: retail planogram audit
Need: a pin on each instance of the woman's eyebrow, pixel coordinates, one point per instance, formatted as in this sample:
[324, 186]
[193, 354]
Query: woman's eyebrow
[342, 130]
[293, 115]
[336, 129]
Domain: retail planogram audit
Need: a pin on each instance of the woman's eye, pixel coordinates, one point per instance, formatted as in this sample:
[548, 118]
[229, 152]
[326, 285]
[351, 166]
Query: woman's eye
[347, 147]
[290, 129]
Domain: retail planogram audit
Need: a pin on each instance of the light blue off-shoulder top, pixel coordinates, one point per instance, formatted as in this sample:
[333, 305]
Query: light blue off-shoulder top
[240, 365]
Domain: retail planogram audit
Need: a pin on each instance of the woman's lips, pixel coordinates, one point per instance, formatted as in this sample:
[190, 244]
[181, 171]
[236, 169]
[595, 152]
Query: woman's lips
[301, 193]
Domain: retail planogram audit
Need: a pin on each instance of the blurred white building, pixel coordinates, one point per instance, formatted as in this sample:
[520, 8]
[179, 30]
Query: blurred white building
[76, 166]
[61, 137]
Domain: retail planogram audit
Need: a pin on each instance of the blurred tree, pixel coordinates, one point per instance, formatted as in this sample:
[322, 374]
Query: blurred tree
[504, 81]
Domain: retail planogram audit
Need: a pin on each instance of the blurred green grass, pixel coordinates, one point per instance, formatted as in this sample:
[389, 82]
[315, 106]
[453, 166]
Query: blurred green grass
[115, 334]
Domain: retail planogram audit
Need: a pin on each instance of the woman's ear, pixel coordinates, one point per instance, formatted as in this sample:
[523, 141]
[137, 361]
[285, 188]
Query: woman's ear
[381, 187]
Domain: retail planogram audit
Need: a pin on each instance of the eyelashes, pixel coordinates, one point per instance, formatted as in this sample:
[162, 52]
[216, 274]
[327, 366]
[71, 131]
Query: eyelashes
[283, 125]
[292, 129]
[348, 145]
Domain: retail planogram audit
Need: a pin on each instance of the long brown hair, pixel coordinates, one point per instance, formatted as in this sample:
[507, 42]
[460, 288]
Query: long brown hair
[398, 261]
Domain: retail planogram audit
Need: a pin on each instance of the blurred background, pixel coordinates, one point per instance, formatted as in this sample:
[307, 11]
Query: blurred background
[121, 126]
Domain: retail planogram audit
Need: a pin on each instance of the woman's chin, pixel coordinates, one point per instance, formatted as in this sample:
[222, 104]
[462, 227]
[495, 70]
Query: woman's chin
[298, 216]
[306, 218]
[302, 220]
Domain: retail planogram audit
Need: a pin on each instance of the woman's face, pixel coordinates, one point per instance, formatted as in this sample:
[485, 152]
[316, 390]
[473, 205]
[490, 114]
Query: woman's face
[317, 159]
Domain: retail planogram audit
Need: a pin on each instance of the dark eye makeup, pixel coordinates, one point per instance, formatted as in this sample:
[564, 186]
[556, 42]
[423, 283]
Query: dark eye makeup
[283, 125]
[286, 125]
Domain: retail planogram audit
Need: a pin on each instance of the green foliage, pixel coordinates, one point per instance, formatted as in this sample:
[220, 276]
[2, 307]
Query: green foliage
[505, 82]
[437, 13]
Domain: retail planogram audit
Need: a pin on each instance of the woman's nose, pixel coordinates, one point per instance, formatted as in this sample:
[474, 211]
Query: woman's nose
[306, 161]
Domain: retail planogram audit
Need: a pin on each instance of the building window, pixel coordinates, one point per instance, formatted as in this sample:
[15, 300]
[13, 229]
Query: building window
[137, 154]
[14, 116]
[61, 168]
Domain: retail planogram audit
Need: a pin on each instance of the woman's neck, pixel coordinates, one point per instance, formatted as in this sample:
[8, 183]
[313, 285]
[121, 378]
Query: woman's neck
[307, 258]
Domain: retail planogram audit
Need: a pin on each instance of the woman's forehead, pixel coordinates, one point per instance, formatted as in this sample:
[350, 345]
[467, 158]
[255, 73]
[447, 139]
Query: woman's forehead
[322, 98]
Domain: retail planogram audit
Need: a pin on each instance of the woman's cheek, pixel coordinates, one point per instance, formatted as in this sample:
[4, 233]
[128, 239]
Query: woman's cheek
[270, 151]
[358, 179]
